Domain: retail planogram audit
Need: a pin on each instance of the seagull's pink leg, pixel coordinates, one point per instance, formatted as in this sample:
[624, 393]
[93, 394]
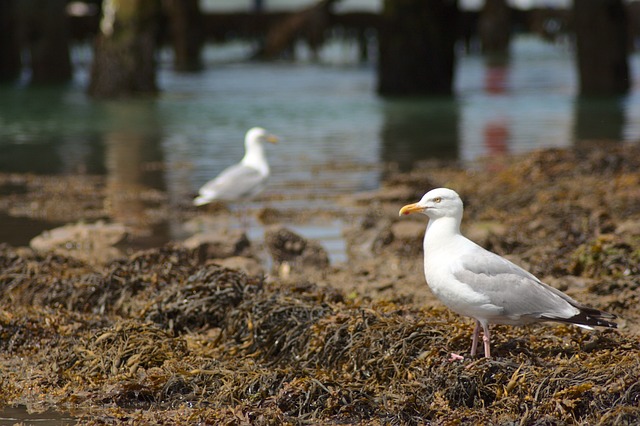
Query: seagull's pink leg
[474, 340]
[486, 338]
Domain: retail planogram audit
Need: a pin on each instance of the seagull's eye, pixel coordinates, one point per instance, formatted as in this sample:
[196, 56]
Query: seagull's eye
[437, 200]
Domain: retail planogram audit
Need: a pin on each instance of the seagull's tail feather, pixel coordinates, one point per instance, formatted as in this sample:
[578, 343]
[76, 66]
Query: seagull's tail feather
[587, 318]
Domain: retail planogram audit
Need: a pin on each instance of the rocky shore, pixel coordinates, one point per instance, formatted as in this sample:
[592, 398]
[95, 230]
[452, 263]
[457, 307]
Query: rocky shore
[98, 322]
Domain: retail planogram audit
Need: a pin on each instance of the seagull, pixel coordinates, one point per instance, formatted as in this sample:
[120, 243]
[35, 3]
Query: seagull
[477, 283]
[242, 180]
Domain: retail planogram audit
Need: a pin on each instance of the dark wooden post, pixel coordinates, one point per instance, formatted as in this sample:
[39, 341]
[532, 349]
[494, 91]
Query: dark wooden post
[10, 63]
[124, 53]
[43, 30]
[494, 28]
[186, 22]
[601, 38]
[416, 44]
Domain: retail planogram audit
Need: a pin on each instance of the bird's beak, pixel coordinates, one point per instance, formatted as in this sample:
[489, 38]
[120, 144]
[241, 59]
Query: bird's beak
[272, 139]
[410, 208]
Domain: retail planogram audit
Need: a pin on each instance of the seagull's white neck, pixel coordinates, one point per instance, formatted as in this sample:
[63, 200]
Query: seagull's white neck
[254, 156]
[441, 229]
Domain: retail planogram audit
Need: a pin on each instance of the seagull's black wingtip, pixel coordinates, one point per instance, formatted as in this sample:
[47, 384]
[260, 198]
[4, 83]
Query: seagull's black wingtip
[589, 317]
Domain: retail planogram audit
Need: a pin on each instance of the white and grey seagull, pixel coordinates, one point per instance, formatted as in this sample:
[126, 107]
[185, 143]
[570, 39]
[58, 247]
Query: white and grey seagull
[475, 282]
[245, 179]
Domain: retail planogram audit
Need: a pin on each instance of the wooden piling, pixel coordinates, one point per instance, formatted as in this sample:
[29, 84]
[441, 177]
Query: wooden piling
[602, 41]
[416, 44]
[124, 54]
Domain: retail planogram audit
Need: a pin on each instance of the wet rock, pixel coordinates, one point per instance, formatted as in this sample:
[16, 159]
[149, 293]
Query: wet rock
[89, 242]
[269, 216]
[407, 187]
[629, 227]
[402, 237]
[363, 237]
[220, 245]
[408, 230]
[291, 251]
[384, 239]
[483, 232]
[397, 194]
[245, 264]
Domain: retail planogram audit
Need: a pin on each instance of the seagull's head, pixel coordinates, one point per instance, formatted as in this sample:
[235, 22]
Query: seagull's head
[258, 135]
[439, 202]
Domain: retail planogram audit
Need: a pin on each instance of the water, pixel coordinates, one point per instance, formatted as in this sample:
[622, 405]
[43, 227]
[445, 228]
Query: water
[22, 416]
[336, 133]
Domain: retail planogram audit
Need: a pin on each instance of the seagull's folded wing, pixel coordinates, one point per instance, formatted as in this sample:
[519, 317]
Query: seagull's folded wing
[520, 296]
[234, 182]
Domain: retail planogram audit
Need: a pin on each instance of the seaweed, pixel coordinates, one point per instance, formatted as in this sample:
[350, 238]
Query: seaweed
[202, 301]
[164, 336]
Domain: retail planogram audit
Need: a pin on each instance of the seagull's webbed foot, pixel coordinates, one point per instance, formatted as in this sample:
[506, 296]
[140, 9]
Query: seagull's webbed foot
[455, 357]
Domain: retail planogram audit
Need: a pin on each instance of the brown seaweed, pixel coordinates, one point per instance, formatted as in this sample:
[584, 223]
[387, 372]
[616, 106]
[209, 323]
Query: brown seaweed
[164, 336]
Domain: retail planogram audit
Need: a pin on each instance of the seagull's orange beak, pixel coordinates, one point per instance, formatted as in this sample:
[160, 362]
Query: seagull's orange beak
[272, 139]
[410, 208]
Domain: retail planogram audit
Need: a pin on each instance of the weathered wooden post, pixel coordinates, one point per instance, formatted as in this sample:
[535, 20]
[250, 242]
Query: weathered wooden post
[185, 19]
[43, 29]
[494, 28]
[601, 38]
[416, 44]
[124, 53]
[10, 63]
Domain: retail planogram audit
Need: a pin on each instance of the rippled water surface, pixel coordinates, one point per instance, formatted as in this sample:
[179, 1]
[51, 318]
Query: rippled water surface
[336, 133]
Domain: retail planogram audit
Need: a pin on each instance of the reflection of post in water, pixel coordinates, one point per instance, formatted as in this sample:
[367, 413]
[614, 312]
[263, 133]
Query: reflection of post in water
[496, 137]
[419, 129]
[495, 77]
[495, 130]
[130, 154]
[598, 119]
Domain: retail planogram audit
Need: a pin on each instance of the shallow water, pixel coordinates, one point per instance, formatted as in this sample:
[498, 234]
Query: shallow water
[20, 415]
[336, 133]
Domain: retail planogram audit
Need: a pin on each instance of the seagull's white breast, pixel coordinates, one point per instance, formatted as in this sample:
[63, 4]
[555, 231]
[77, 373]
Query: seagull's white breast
[441, 261]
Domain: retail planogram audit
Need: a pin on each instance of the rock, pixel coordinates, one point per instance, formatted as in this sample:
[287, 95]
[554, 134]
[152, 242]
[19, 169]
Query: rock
[628, 227]
[220, 245]
[482, 232]
[291, 251]
[408, 230]
[364, 237]
[269, 215]
[92, 243]
[245, 264]
[403, 237]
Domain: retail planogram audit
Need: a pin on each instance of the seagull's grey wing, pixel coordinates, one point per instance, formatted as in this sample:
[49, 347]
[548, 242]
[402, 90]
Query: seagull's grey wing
[234, 182]
[520, 296]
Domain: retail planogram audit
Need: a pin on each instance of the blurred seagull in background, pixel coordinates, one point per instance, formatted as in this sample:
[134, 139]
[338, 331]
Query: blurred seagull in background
[474, 282]
[245, 179]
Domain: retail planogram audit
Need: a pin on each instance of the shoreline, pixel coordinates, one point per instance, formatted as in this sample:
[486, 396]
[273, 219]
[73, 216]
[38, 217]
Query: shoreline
[167, 333]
